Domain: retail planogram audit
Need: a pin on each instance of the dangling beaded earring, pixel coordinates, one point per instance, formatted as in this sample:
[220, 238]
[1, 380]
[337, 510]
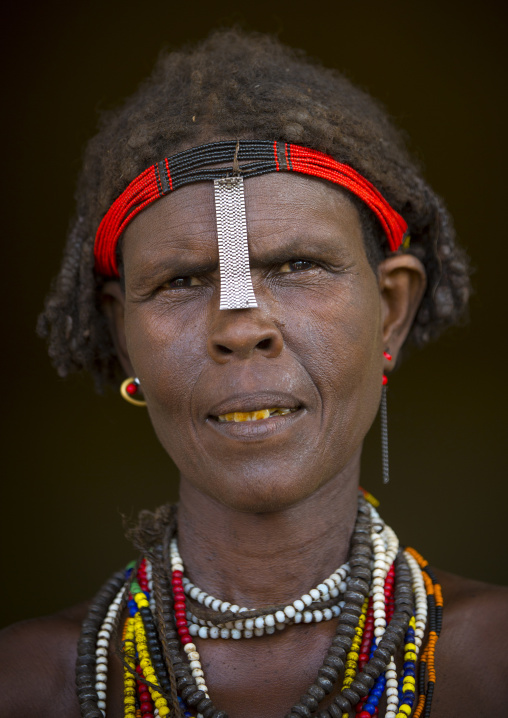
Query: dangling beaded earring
[129, 388]
[384, 427]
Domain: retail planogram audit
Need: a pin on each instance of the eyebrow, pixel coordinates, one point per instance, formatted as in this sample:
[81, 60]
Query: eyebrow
[303, 246]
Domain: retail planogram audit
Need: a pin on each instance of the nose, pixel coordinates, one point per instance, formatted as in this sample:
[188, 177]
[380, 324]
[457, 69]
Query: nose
[241, 334]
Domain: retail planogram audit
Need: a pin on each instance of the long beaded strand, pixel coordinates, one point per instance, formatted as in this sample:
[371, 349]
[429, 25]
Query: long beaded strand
[189, 690]
[435, 615]
[129, 681]
[103, 639]
[88, 652]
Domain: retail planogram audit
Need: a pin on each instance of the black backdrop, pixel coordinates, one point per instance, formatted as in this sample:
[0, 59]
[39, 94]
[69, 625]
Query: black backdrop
[74, 461]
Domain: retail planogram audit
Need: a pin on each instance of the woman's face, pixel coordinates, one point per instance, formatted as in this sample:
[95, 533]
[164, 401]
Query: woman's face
[313, 347]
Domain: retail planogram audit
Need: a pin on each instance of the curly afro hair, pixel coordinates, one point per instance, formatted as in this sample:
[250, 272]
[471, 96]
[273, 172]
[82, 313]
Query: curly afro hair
[245, 85]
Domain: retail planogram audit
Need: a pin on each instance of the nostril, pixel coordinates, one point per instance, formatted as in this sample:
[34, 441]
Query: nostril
[224, 350]
[264, 343]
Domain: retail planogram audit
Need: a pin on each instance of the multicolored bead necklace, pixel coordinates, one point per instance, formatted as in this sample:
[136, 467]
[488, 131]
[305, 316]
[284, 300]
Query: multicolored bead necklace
[383, 599]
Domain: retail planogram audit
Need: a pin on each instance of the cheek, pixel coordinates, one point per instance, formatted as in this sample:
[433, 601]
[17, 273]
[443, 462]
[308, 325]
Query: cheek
[339, 334]
[339, 340]
[166, 350]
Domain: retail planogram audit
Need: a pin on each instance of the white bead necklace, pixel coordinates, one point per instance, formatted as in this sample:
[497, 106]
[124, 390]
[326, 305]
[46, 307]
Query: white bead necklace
[303, 610]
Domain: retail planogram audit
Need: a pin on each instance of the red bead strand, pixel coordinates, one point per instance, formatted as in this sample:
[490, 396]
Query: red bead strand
[179, 607]
[146, 705]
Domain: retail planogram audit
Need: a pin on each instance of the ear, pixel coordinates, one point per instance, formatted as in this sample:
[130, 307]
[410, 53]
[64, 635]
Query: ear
[113, 306]
[402, 282]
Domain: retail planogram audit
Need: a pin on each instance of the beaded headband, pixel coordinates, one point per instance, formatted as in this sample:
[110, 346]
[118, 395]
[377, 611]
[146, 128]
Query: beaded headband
[260, 157]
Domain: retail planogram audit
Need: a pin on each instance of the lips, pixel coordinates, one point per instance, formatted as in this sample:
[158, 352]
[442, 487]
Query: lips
[254, 407]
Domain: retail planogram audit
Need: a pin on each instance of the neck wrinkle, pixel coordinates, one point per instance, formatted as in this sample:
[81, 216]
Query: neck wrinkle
[256, 560]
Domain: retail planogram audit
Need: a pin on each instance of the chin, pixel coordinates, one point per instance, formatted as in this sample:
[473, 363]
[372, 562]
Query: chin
[264, 496]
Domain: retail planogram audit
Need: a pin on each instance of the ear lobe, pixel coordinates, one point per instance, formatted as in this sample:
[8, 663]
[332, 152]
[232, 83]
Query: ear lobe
[113, 306]
[402, 282]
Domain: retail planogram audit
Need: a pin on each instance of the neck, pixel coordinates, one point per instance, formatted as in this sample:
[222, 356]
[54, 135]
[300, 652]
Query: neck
[259, 559]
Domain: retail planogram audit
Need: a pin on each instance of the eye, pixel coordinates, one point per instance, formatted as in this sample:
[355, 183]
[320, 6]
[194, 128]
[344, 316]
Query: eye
[297, 265]
[181, 283]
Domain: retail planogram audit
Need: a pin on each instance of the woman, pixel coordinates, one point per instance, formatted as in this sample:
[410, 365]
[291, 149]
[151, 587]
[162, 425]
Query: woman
[255, 290]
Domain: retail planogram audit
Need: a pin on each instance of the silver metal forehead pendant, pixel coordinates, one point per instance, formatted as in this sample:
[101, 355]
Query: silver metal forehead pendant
[236, 290]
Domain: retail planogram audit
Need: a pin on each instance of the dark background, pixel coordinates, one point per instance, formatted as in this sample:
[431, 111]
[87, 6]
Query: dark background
[74, 462]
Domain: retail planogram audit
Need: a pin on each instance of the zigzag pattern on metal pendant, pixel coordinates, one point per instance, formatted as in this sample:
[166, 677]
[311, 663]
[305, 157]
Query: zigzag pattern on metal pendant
[236, 290]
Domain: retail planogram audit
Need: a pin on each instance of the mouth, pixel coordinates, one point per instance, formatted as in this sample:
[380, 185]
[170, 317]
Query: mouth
[257, 425]
[256, 415]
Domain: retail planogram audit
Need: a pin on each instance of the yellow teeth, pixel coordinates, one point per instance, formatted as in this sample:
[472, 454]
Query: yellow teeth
[254, 415]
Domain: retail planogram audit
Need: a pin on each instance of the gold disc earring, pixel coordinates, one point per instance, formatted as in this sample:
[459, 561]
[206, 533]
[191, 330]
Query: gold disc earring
[129, 388]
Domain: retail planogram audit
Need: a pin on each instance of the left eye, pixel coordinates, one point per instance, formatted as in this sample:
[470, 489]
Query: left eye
[297, 265]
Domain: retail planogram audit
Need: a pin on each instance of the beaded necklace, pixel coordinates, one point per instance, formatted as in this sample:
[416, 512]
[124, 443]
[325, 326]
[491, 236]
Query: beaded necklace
[384, 599]
[315, 606]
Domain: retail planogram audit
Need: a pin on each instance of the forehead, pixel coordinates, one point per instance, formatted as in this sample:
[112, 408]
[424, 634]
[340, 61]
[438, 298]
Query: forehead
[279, 208]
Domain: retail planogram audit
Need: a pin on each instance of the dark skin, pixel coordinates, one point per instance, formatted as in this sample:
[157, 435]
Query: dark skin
[267, 508]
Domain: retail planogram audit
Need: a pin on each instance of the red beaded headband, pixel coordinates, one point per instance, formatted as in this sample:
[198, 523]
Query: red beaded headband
[260, 157]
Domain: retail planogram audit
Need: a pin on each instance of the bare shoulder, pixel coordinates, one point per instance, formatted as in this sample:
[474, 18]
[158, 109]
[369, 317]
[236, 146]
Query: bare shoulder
[471, 660]
[37, 660]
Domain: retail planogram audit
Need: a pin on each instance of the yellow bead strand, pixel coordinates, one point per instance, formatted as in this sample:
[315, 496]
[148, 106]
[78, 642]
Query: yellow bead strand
[129, 681]
[145, 662]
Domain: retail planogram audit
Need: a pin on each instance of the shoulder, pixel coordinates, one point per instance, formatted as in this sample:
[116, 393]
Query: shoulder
[471, 660]
[37, 660]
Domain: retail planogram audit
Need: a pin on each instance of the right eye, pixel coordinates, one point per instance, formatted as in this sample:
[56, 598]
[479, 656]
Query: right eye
[181, 283]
